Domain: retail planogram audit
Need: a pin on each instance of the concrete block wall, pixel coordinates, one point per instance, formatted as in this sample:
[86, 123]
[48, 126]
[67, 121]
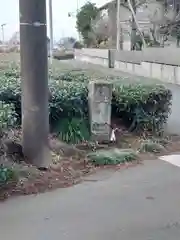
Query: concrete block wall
[166, 73]
[163, 71]
[132, 68]
[93, 59]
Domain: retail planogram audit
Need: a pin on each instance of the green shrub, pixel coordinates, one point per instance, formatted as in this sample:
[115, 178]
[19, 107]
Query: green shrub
[74, 77]
[7, 175]
[142, 107]
[112, 156]
[67, 100]
[10, 91]
[73, 130]
[7, 115]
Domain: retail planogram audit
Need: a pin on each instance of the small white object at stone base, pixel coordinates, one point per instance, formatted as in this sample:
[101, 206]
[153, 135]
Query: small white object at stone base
[113, 136]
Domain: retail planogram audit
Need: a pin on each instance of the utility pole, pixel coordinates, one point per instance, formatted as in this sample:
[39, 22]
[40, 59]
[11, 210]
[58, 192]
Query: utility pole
[51, 30]
[77, 11]
[119, 29]
[2, 28]
[34, 80]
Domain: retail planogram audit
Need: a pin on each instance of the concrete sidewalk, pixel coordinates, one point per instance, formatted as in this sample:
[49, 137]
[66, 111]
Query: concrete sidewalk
[141, 203]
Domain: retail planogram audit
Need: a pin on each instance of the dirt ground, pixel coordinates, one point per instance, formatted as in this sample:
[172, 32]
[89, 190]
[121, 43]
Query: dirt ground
[69, 164]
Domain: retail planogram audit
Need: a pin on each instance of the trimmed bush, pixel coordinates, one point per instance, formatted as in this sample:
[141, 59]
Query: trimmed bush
[74, 76]
[10, 91]
[67, 99]
[141, 107]
[7, 176]
[7, 116]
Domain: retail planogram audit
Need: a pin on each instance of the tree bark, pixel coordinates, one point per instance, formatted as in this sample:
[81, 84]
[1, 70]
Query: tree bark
[34, 73]
[133, 27]
[132, 7]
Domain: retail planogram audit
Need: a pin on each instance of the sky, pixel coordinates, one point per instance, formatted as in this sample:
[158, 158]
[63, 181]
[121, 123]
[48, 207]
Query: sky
[62, 24]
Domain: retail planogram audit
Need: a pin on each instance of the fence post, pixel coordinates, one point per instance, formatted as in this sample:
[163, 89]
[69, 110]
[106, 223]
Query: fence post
[111, 58]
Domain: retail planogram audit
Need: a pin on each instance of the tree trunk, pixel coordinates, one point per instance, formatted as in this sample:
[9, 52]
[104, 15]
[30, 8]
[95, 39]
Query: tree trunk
[133, 35]
[162, 41]
[121, 38]
[153, 33]
[132, 7]
[133, 27]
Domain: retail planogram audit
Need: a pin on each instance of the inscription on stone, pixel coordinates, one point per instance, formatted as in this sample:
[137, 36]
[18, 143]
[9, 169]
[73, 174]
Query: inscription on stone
[99, 128]
[102, 94]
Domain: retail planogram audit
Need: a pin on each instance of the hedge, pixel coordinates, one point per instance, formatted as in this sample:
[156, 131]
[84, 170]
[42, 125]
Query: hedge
[141, 107]
[8, 177]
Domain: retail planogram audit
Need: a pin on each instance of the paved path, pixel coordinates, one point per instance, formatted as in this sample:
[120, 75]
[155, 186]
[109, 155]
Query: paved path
[141, 203]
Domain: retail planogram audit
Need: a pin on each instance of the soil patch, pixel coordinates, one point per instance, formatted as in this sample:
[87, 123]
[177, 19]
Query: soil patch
[69, 164]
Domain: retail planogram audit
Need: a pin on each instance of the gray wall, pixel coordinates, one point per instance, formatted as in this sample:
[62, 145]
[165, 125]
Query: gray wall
[168, 56]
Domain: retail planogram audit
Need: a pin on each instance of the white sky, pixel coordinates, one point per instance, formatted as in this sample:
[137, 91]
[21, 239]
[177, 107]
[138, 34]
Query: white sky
[63, 26]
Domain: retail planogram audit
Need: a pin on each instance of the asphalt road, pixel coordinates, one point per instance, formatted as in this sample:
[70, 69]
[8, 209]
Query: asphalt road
[141, 203]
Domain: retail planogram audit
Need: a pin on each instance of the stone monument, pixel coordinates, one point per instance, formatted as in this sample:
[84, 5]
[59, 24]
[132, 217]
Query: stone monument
[100, 96]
